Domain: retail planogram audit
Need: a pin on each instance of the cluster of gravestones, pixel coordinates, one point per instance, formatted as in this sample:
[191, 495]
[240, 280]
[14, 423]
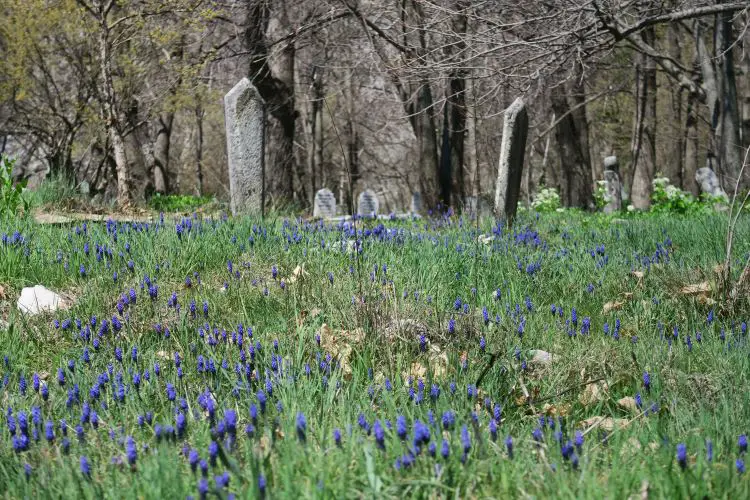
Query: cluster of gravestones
[245, 128]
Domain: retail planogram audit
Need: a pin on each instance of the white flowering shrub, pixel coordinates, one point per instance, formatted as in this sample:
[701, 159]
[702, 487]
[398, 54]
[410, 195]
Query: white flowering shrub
[546, 200]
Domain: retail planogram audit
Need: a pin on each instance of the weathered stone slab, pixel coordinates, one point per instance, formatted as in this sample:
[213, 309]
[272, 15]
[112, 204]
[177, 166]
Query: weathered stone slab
[245, 128]
[510, 167]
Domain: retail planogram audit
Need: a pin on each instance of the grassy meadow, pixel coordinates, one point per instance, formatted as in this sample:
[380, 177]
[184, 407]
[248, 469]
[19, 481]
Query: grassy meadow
[572, 356]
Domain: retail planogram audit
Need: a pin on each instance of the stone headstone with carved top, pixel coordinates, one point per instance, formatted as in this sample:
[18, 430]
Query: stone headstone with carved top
[325, 204]
[368, 203]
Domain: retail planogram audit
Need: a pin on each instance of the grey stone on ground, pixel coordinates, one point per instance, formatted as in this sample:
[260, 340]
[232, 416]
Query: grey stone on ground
[709, 183]
[244, 112]
[324, 205]
[368, 203]
[510, 167]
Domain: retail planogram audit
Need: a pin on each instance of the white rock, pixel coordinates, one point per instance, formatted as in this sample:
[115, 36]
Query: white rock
[540, 357]
[37, 299]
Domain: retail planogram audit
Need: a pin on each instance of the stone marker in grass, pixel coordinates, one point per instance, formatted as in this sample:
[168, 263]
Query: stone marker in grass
[245, 123]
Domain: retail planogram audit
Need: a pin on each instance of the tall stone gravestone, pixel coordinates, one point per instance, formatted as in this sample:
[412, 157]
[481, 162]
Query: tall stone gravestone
[508, 186]
[367, 203]
[612, 185]
[325, 204]
[245, 122]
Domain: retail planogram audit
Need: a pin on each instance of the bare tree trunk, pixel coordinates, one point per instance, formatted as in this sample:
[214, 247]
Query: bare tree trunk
[745, 93]
[457, 100]
[315, 153]
[471, 140]
[676, 146]
[138, 152]
[162, 146]
[278, 92]
[199, 113]
[429, 166]
[351, 160]
[644, 147]
[445, 161]
[730, 145]
[576, 176]
[691, 145]
[112, 121]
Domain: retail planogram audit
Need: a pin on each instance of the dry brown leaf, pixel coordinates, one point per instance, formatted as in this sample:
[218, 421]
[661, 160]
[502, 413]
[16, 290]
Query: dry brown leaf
[592, 394]
[638, 274]
[438, 361]
[605, 423]
[298, 273]
[416, 371]
[265, 445]
[612, 306]
[627, 295]
[2, 292]
[696, 289]
[628, 403]
[560, 410]
[356, 336]
[706, 300]
[301, 317]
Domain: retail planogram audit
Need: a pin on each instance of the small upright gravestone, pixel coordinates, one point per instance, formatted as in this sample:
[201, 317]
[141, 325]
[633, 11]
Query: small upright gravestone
[416, 202]
[612, 185]
[367, 203]
[508, 186]
[471, 205]
[709, 183]
[325, 204]
[245, 122]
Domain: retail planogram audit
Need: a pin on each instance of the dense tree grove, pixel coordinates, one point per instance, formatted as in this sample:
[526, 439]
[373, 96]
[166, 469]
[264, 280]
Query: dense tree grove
[398, 96]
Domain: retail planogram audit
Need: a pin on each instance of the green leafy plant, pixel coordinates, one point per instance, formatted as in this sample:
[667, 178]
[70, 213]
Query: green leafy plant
[546, 200]
[600, 194]
[12, 194]
[177, 202]
[671, 199]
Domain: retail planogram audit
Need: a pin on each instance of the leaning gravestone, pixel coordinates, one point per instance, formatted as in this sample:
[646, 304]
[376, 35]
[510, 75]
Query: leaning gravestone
[245, 122]
[367, 203]
[709, 183]
[508, 186]
[612, 185]
[325, 204]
